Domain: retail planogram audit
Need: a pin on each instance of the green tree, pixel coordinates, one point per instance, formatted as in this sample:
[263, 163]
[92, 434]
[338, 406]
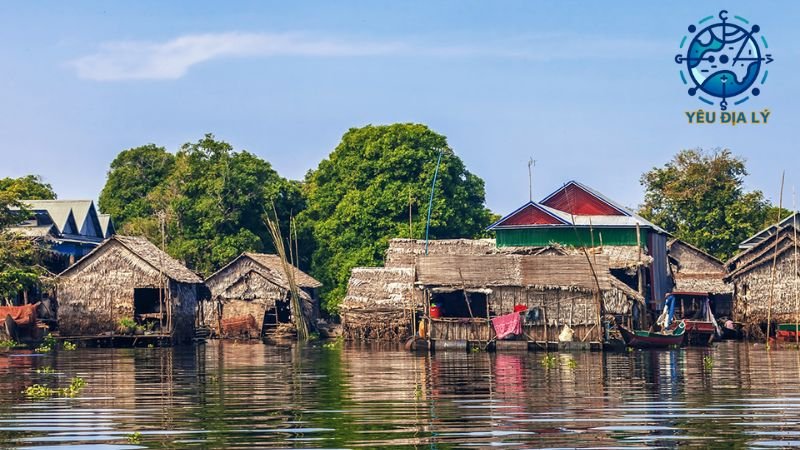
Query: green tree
[212, 199]
[29, 187]
[19, 256]
[699, 197]
[359, 198]
[134, 173]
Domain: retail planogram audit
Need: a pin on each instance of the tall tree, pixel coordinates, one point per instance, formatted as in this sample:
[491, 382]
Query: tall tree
[211, 198]
[29, 187]
[359, 198]
[699, 197]
[134, 173]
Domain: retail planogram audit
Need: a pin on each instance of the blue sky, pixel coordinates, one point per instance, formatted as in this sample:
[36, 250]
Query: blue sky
[589, 89]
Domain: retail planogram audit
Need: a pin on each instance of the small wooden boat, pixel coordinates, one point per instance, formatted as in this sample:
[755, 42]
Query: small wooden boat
[651, 339]
[698, 332]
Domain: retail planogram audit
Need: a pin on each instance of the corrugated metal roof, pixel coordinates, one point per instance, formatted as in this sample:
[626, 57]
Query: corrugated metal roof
[630, 219]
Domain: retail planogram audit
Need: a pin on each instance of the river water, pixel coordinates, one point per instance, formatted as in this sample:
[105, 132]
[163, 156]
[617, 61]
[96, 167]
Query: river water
[245, 395]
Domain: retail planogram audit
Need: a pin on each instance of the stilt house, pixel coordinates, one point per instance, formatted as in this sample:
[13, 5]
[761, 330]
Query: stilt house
[577, 216]
[386, 303]
[696, 271]
[252, 291]
[128, 278]
[756, 288]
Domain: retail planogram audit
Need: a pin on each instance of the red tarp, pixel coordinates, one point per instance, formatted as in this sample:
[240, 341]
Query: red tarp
[22, 315]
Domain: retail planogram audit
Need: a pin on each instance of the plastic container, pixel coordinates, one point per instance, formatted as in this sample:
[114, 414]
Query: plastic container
[436, 312]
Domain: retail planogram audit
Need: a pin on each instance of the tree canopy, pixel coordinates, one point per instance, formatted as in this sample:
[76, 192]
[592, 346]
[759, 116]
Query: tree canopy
[19, 256]
[699, 197]
[134, 173]
[359, 198]
[29, 187]
[212, 200]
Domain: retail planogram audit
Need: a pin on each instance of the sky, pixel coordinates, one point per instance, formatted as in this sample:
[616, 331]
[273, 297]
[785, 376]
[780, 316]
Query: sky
[589, 90]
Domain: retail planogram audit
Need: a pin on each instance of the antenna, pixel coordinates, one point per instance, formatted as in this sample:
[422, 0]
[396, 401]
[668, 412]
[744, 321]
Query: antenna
[531, 164]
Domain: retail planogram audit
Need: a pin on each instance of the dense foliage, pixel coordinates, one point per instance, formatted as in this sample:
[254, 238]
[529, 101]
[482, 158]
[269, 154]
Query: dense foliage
[19, 256]
[699, 197]
[212, 200]
[29, 187]
[134, 173]
[359, 198]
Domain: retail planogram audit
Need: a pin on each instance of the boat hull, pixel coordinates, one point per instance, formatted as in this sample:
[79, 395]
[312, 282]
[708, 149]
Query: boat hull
[651, 340]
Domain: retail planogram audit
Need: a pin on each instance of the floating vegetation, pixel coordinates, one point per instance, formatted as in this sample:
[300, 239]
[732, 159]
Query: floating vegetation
[134, 438]
[41, 391]
[708, 362]
[48, 344]
[549, 361]
[571, 363]
[69, 346]
[45, 369]
[334, 344]
[9, 343]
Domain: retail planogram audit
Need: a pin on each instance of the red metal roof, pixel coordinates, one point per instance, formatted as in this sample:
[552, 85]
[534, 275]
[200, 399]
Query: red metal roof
[574, 199]
[530, 214]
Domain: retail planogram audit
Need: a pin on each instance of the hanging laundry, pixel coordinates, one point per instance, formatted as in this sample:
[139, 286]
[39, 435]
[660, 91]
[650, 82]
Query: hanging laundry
[507, 325]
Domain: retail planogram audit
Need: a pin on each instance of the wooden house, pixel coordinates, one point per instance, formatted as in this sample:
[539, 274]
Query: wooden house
[381, 304]
[756, 287]
[386, 303]
[252, 291]
[577, 216]
[695, 271]
[125, 279]
[555, 290]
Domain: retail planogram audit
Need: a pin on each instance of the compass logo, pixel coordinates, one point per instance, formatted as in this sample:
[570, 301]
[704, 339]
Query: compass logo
[725, 60]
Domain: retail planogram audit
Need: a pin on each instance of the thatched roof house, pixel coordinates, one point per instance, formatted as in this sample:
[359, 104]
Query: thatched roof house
[564, 289]
[128, 277]
[695, 270]
[255, 285]
[380, 304]
[385, 302]
[752, 278]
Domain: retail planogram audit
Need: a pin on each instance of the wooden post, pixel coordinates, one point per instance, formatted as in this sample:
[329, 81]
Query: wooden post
[774, 261]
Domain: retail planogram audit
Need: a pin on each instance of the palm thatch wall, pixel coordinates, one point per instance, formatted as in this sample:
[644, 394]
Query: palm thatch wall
[250, 285]
[98, 291]
[694, 270]
[754, 282]
[380, 304]
[564, 289]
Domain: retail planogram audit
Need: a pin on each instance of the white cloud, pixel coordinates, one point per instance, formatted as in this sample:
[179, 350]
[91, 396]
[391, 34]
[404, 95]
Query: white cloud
[139, 60]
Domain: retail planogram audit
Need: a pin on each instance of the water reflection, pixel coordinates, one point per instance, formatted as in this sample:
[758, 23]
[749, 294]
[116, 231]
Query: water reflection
[241, 395]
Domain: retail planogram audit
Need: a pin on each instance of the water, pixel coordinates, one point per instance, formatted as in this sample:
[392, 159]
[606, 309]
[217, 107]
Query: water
[234, 395]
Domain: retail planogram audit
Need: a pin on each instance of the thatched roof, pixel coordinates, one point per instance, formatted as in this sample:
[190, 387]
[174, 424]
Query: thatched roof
[147, 252]
[273, 267]
[695, 270]
[479, 271]
[401, 252]
[762, 253]
[379, 288]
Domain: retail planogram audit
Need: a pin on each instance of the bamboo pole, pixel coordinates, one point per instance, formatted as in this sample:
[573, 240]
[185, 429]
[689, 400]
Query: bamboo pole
[794, 244]
[300, 319]
[774, 261]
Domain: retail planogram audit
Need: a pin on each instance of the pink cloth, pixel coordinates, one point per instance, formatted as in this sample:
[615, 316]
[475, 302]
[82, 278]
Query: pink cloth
[507, 325]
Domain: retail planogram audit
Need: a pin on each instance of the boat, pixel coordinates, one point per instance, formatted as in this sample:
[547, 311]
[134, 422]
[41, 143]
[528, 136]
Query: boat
[787, 332]
[698, 332]
[695, 309]
[652, 339]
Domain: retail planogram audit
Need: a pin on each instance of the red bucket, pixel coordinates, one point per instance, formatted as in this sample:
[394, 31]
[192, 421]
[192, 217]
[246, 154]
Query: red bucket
[436, 312]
